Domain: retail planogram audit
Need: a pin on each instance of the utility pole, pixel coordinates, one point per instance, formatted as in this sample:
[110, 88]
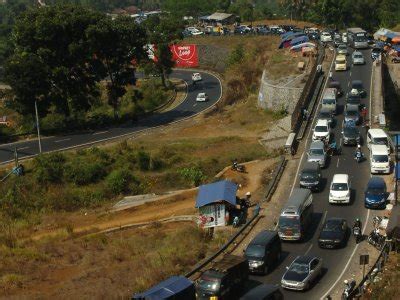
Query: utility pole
[38, 128]
[396, 173]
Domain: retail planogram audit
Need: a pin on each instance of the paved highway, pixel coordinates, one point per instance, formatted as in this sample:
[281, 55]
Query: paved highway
[210, 84]
[334, 260]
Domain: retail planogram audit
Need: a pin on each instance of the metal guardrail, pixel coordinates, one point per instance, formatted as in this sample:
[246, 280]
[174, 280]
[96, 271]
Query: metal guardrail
[380, 261]
[270, 189]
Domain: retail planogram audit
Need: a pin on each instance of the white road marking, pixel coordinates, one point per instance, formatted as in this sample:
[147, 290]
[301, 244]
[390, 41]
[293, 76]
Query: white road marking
[23, 148]
[348, 84]
[101, 132]
[63, 140]
[337, 164]
[324, 217]
[194, 104]
[308, 250]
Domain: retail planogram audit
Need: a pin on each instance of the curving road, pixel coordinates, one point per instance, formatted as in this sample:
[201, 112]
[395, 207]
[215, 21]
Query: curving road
[334, 261]
[188, 108]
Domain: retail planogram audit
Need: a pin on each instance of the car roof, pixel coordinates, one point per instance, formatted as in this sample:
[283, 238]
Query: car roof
[263, 237]
[201, 94]
[379, 149]
[305, 259]
[325, 109]
[357, 81]
[260, 291]
[352, 107]
[376, 182]
[340, 178]
[342, 56]
[377, 132]
[357, 52]
[311, 166]
[317, 145]
[322, 122]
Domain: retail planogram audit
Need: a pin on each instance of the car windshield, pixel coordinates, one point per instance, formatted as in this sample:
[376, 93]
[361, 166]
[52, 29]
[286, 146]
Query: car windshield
[360, 39]
[321, 129]
[308, 174]
[380, 158]
[299, 268]
[255, 251]
[328, 101]
[357, 85]
[208, 283]
[324, 115]
[289, 222]
[332, 226]
[340, 60]
[358, 56]
[380, 141]
[353, 99]
[339, 187]
[349, 130]
[351, 113]
[316, 152]
[342, 47]
[375, 191]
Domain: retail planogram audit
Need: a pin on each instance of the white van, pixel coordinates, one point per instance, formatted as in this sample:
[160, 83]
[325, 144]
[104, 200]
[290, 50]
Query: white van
[380, 159]
[377, 136]
[329, 99]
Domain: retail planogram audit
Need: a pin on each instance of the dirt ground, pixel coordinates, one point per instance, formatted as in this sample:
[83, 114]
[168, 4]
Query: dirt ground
[179, 204]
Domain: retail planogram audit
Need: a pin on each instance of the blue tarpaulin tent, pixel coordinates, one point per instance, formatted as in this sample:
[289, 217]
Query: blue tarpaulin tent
[286, 34]
[293, 36]
[175, 287]
[224, 190]
[396, 47]
[299, 40]
[286, 42]
[396, 172]
[391, 35]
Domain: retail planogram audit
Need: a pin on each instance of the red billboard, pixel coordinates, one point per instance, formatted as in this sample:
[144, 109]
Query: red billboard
[185, 56]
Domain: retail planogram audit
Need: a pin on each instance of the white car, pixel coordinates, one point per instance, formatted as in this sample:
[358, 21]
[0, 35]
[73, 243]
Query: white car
[196, 77]
[340, 63]
[321, 131]
[326, 37]
[342, 49]
[358, 58]
[340, 189]
[202, 97]
[194, 31]
[344, 37]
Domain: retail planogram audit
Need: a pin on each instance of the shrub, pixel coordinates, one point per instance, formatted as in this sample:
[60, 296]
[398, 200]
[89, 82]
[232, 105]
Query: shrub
[49, 168]
[100, 116]
[118, 181]
[237, 55]
[193, 174]
[82, 171]
[53, 122]
[143, 159]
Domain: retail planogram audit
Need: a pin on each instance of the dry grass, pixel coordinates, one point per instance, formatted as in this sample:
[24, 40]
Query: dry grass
[104, 265]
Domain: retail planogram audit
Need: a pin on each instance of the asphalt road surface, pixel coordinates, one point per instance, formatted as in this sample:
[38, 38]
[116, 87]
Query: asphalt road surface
[334, 261]
[210, 85]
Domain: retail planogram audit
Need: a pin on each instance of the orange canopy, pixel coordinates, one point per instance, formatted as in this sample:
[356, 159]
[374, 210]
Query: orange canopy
[396, 40]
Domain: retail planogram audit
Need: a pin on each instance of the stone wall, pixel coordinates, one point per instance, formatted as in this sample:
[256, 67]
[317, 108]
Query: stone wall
[276, 97]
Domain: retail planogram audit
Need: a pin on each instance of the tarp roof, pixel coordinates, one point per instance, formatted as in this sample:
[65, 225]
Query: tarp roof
[286, 34]
[224, 190]
[165, 289]
[219, 16]
[299, 40]
[293, 36]
[391, 35]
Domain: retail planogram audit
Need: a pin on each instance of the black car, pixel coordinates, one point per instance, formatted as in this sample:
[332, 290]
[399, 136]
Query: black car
[310, 176]
[263, 252]
[358, 85]
[333, 233]
[353, 99]
[351, 135]
[352, 113]
[264, 292]
[335, 84]
[375, 52]
[337, 41]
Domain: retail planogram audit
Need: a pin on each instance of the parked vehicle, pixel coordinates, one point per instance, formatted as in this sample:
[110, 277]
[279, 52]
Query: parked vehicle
[196, 77]
[329, 99]
[224, 279]
[380, 159]
[342, 49]
[263, 252]
[340, 63]
[310, 176]
[296, 215]
[358, 85]
[377, 136]
[175, 287]
[326, 37]
[302, 273]
[340, 191]
[264, 292]
[375, 52]
[376, 239]
[375, 194]
[348, 289]
[333, 234]
[321, 131]
[194, 31]
[351, 135]
[337, 40]
[237, 167]
[317, 153]
[202, 97]
[358, 58]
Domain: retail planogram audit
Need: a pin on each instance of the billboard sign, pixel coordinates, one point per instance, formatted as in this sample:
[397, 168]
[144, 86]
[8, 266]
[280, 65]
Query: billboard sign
[212, 216]
[185, 56]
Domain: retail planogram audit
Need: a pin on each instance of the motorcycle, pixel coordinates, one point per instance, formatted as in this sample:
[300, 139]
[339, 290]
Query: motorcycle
[376, 239]
[357, 233]
[238, 168]
[358, 156]
[348, 289]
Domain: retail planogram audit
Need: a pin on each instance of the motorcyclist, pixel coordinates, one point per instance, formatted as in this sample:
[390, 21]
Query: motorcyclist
[358, 153]
[357, 223]
[332, 147]
[235, 163]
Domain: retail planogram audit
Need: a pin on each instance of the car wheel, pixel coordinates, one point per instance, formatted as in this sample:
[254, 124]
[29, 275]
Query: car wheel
[266, 269]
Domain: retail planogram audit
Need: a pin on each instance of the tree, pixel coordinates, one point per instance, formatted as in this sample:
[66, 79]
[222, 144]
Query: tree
[116, 43]
[162, 32]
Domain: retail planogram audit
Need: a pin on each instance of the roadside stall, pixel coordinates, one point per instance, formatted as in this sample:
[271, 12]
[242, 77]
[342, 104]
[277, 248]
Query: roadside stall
[217, 204]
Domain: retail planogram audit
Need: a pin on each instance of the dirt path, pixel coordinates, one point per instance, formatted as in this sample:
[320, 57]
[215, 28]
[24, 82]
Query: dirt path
[168, 206]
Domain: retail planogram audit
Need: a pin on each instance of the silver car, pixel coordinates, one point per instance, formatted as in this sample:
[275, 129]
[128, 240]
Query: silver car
[302, 273]
[342, 49]
[358, 58]
[317, 153]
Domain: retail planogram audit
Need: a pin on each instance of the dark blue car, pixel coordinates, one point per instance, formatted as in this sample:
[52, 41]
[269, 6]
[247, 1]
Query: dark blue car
[375, 194]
